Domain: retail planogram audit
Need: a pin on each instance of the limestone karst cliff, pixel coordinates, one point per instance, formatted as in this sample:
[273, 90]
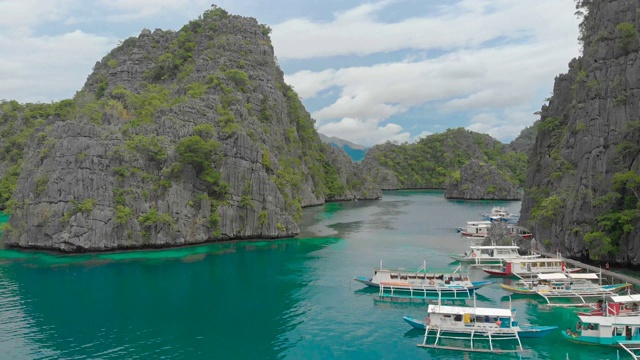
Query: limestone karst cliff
[581, 191]
[177, 137]
[434, 159]
[477, 180]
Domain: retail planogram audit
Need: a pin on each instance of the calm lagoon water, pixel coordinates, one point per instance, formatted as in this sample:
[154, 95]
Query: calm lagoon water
[284, 299]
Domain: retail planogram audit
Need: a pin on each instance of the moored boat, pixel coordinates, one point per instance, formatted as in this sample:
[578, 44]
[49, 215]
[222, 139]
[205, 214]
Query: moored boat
[421, 282]
[609, 330]
[501, 214]
[491, 254]
[525, 268]
[480, 230]
[526, 331]
[577, 287]
[478, 329]
[616, 305]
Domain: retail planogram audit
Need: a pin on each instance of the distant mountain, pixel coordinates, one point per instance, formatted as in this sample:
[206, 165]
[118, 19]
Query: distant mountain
[355, 151]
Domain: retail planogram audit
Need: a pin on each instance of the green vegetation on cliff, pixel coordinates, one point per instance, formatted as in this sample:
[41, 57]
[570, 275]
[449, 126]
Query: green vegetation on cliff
[431, 161]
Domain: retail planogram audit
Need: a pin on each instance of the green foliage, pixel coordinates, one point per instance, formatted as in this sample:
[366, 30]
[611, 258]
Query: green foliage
[102, 86]
[148, 146]
[627, 35]
[65, 109]
[196, 90]
[197, 152]
[153, 217]
[205, 131]
[546, 211]
[491, 189]
[227, 122]
[123, 214]
[41, 184]
[148, 102]
[599, 244]
[266, 30]
[238, 77]
[8, 184]
[262, 217]
[550, 123]
[112, 64]
[86, 205]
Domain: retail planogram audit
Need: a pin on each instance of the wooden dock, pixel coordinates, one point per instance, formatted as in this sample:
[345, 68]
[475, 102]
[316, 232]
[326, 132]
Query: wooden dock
[609, 276]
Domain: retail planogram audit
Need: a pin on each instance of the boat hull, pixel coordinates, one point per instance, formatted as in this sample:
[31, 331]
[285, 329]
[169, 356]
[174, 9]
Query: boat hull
[517, 290]
[400, 287]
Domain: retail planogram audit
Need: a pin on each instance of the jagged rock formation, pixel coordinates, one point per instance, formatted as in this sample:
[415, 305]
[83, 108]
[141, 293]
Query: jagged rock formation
[178, 138]
[525, 140]
[581, 192]
[499, 234]
[430, 162]
[477, 181]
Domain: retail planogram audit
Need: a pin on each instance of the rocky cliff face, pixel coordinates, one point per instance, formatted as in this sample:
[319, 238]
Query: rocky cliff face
[178, 138]
[581, 192]
[480, 181]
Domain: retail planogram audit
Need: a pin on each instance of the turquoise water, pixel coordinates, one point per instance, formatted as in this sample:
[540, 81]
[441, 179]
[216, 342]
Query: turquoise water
[292, 299]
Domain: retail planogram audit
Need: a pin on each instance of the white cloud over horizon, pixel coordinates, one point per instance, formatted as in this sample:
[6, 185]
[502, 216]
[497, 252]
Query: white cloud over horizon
[479, 64]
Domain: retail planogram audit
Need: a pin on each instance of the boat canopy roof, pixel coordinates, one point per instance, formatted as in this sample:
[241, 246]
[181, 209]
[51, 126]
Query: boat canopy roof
[533, 260]
[461, 310]
[481, 247]
[611, 320]
[624, 298]
[552, 276]
[584, 276]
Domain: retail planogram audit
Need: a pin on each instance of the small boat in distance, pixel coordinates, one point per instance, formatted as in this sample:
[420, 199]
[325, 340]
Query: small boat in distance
[478, 329]
[500, 214]
[491, 254]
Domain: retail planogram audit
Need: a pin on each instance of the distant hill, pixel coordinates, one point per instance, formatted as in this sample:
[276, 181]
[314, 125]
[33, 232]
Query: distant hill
[355, 151]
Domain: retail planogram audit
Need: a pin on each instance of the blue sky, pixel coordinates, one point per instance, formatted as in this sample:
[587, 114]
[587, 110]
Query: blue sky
[367, 71]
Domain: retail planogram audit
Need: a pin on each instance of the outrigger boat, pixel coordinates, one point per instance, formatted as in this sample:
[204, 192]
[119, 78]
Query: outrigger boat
[422, 283]
[575, 287]
[608, 329]
[480, 230]
[527, 268]
[526, 331]
[617, 305]
[492, 254]
[474, 328]
[501, 214]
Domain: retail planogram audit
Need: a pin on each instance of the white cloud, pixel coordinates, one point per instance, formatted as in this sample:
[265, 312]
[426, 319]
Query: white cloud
[495, 56]
[29, 13]
[41, 69]
[127, 10]
[467, 24]
[364, 132]
[504, 127]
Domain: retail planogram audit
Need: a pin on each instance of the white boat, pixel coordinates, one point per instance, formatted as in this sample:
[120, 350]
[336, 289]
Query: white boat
[478, 329]
[480, 230]
[578, 288]
[616, 305]
[491, 254]
[501, 214]
[609, 328]
[528, 268]
[421, 282]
